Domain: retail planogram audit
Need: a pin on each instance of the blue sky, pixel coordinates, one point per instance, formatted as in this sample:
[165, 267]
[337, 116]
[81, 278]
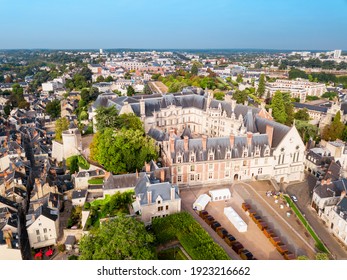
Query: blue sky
[269, 24]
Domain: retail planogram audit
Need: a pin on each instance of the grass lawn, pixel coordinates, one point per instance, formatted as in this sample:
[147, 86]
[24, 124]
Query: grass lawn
[172, 254]
[319, 245]
[96, 181]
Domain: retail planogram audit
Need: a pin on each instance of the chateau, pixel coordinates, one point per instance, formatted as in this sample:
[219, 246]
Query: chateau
[205, 141]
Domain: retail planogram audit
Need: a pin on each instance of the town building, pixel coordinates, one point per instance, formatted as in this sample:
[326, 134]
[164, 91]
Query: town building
[298, 88]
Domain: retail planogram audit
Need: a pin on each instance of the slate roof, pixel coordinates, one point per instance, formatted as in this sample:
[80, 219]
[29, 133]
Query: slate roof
[160, 189]
[219, 147]
[120, 181]
[47, 212]
[8, 202]
[79, 194]
[158, 135]
[310, 107]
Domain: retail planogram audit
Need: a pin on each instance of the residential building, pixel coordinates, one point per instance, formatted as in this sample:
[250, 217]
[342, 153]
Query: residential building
[298, 88]
[43, 227]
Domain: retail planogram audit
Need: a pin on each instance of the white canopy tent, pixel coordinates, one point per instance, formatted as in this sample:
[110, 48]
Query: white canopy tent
[221, 194]
[235, 219]
[201, 202]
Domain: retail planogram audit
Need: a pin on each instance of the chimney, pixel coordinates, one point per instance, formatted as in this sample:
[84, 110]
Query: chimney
[148, 167]
[323, 182]
[172, 192]
[142, 107]
[8, 237]
[249, 138]
[232, 140]
[107, 175]
[162, 175]
[328, 181]
[204, 142]
[137, 174]
[149, 197]
[186, 143]
[245, 103]
[270, 111]
[172, 144]
[269, 132]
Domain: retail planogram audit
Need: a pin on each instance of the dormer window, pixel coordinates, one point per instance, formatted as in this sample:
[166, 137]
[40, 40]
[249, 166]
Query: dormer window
[228, 156]
[179, 159]
[267, 152]
[257, 152]
[192, 157]
[211, 156]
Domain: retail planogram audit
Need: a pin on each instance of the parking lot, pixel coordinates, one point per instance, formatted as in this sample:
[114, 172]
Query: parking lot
[291, 232]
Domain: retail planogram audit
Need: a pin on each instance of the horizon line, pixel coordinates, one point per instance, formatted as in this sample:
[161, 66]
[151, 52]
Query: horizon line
[190, 49]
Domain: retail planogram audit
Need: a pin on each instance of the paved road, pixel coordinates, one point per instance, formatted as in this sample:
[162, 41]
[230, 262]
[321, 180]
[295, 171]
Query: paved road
[304, 194]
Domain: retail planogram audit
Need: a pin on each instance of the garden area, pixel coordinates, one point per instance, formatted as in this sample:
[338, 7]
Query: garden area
[75, 218]
[74, 163]
[193, 238]
[96, 181]
[109, 207]
[172, 254]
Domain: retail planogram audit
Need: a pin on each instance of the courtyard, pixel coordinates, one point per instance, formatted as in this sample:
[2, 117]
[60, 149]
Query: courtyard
[288, 228]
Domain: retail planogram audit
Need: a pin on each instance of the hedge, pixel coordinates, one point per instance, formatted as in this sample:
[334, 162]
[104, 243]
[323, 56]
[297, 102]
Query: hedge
[194, 239]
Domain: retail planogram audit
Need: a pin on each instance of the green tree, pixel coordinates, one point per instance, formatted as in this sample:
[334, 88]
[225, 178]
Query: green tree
[278, 107]
[109, 118]
[130, 91]
[219, 95]
[106, 117]
[127, 76]
[122, 151]
[322, 256]
[289, 108]
[303, 257]
[261, 86]
[100, 79]
[239, 78]
[147, 90]
[334, 130]
[61, 124]
[123, 238]
[302, 114]
[240, 96]
[53, 108]
[72, 164]
[194, 71]
[306, 130]
[109, 79]
[7, 109]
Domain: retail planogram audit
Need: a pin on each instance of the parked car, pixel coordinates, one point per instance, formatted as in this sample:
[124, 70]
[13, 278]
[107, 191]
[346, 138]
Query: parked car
[294, 198]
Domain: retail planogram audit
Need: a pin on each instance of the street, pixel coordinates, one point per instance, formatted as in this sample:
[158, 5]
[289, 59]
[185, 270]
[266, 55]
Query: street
[304, 194]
